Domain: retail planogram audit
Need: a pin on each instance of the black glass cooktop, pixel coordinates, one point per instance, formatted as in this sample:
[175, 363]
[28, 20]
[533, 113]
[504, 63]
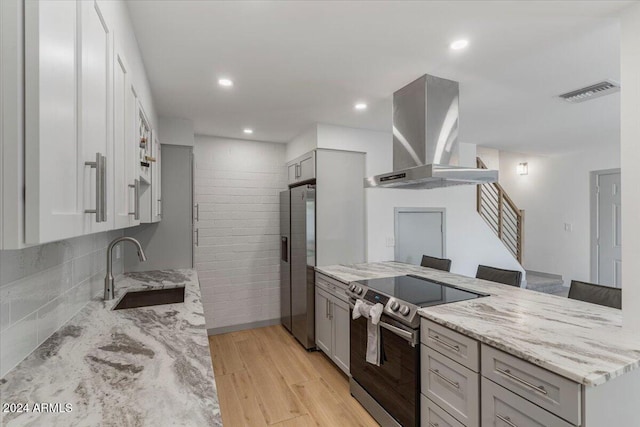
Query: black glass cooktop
[419, 291]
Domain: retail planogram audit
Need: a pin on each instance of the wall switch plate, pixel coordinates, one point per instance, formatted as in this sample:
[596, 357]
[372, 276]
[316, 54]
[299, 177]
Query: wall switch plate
[117, 255]
[390, 241]
[567, 226]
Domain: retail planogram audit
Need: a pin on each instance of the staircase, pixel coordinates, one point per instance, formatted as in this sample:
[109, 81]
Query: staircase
[502, 215]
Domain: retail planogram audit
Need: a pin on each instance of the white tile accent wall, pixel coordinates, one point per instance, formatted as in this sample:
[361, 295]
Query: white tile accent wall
[42, 287]
[237, 186]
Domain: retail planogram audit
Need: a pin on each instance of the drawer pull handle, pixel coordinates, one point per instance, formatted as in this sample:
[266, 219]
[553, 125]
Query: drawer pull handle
[506, 372]
[438, 374]
[506, 420]
[433, 424]
[437, 339]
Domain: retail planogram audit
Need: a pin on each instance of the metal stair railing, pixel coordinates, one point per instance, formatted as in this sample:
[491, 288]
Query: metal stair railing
[501, 214]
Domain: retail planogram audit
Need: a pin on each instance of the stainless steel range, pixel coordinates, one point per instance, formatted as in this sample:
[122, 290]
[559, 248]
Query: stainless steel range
[391, 391]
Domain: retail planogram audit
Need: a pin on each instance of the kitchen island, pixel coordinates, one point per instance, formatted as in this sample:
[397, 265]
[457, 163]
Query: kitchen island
[147, 366]
[575, 341]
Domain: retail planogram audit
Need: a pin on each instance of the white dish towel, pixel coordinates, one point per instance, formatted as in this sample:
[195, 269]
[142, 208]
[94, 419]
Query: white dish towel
[372, 313]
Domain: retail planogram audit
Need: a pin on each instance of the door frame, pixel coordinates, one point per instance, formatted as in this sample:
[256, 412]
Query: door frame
[441, 211]
[594, 199]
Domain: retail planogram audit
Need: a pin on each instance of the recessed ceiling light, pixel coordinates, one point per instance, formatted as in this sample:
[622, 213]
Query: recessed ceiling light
[225, 82]
[360, 106]
[247, 131]
[459, 44]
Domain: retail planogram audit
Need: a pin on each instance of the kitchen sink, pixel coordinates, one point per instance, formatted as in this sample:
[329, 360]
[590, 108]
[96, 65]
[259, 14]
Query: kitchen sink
[135, 299]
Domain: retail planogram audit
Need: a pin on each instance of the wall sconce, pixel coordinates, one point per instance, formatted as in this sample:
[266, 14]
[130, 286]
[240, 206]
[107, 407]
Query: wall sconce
[523, 168]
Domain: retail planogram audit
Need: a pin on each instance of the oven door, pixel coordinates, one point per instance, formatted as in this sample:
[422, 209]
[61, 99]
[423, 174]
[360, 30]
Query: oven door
[395, 384]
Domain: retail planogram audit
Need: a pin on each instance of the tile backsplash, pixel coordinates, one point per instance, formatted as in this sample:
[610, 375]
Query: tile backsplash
[42, 287]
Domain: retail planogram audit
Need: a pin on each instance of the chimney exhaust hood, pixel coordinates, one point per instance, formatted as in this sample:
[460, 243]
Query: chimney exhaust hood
[425, 139]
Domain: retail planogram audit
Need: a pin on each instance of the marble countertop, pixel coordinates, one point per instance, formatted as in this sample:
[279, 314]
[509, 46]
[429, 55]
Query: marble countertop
[147, 366]
[583, 342]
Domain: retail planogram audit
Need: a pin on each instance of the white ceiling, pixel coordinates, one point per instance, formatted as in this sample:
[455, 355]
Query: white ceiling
[299, 62]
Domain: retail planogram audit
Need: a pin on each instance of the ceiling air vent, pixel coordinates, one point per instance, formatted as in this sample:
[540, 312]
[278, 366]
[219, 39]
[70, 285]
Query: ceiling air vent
[590, 92]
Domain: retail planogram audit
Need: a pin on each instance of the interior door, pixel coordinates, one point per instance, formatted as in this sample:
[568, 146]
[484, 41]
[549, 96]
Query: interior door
[609, 246]
[418, 232]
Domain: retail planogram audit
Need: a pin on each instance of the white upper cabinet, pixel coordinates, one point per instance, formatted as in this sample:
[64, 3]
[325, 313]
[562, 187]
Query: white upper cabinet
[124, 101]
[68, 138]
[302, 169]
[96, 115]
[132, 129]
[86, 135]
[54, 166]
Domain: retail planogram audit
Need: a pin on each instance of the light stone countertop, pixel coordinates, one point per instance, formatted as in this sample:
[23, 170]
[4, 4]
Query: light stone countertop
[147, 366]
[583, 342]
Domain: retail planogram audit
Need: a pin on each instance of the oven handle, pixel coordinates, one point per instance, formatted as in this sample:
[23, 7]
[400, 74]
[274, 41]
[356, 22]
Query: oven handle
[410, 336]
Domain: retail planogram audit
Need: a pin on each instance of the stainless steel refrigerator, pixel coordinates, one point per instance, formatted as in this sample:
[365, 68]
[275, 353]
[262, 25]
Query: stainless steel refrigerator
[297, 262]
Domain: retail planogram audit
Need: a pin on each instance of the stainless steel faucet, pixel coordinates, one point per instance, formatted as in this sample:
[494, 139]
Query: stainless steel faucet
[109, 287]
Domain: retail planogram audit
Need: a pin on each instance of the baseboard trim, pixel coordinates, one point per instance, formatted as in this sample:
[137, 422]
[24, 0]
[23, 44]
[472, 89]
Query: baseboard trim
[243, 327]
[543, 274]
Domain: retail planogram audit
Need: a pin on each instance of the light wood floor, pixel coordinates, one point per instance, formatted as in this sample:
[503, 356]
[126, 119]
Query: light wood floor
[264, 377]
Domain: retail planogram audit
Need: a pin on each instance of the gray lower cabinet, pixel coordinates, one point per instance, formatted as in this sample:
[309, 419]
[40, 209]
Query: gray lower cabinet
[323, 321]
[502, 408]
[545, 389]
[468, 384]
[340, 313]
[431, 415]
[451, 386]
[332, 321]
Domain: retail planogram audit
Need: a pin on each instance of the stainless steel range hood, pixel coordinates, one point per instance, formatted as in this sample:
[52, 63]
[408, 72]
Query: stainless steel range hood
[425, 139]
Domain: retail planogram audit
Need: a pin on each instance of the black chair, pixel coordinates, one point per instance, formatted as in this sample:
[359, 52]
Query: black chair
[498, 275]
[596, 294]
[443, 264]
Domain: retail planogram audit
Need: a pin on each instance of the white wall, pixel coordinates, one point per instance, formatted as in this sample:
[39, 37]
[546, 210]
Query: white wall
[375, 144]
[630, 149]
[490, 157]
[469, 240]
[237, 185]
[176, 131]
[301, 144]
[42, 287]
[557, 191]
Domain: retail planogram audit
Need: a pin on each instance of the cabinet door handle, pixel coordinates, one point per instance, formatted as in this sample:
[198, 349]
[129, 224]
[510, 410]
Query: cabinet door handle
[101, 187]
[433, 424]
[506, 420]
[437, 373]
[197, 216]
[440, 341]
[159, 207]
[298, 171]
[136, 199]
[197, 237]
[507, 373]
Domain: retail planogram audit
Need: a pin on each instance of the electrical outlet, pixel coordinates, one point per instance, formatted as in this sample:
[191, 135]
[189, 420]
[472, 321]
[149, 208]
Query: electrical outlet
[118, 252]
[567, 227]
[390, 242]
